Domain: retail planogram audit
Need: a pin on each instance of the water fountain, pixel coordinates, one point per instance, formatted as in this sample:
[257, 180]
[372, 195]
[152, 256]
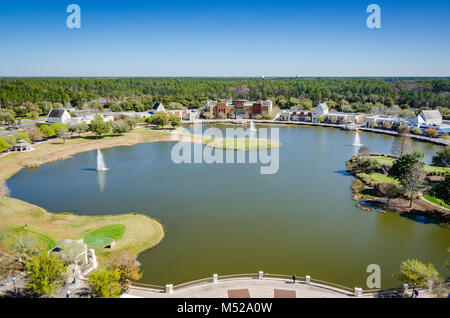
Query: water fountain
[252, 129]
[100, 162]
[357, 141]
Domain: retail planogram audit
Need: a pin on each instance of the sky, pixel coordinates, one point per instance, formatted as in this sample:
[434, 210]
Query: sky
[224, 38]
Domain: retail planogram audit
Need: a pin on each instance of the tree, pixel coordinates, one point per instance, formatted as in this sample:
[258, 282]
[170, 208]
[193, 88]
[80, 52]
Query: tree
[364, 151]
[413, 181]
[64, 134]
[99, 127]
[160, 119]
[441, 190]
[105, 283]
[78, 128]
[403, 164]
[402, 144]
[416, 274]
[174, 120]
[127, 266]
[35, 133]
[44, 274]
[57, 127]
[3, 145]
[7, 117]
[442, 157]
[149, 120]
[388, 190]
[120, 127]
[47, 131]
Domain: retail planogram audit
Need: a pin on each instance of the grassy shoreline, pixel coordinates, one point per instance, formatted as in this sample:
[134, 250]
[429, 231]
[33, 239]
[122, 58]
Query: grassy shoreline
[141, 231]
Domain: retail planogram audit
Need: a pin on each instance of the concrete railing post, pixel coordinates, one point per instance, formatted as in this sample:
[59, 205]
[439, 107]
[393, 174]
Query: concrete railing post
[430, 285]
[215, 278]
[169, 288]
[308, 280]
[405, 288]
[358, 292]
[260, 275]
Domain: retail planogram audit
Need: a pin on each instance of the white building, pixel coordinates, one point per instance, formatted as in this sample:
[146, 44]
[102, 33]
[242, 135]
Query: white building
[321, 111]
[428, 118]
[58, 116]
[157, 107]
[376, 121]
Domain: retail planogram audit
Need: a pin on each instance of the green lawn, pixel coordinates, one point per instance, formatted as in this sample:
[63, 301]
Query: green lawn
[390, 161]
[43, 240]
[436, 201]
[103, 235]
[382, 178]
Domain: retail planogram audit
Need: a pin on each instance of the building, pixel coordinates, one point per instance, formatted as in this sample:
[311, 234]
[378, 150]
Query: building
[344, 118]
[320, 112]
[297, 115]
[58, 116]
[383, 121]
[428, 118]
[157, 107]
[22, 145]
[184, 114]
[239, 109]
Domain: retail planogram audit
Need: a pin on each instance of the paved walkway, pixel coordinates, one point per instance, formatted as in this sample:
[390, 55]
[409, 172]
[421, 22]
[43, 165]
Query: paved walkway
[263, 288]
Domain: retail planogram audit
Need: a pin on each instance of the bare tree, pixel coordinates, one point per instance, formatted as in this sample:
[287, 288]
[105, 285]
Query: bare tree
[389, 191]
[414, 181]
[364, 151]
[402, 144]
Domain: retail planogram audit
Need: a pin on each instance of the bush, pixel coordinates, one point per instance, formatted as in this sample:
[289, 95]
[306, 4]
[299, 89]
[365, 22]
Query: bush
[174, 120]
[105, 283]
[58, 127]
[3, 145]
[47, 131]
[442, 157]
[160, 119]
[431, 132]
[149, 120]
[120, 127]
[10, 140]
[22, 135]
[417, 131]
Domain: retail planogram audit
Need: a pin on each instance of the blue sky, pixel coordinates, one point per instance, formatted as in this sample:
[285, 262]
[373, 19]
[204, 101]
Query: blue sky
[224, 38]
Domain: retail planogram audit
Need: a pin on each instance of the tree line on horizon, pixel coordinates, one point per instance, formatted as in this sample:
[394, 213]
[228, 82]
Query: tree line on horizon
[30, 97]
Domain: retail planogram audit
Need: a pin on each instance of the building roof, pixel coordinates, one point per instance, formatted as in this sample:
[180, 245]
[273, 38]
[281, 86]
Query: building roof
[22, 143]
[156, 105]
[431, 114]
[56, 113]
[323, 106]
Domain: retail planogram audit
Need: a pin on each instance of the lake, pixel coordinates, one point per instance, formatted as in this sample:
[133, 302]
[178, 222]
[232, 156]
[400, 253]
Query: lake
[229, 218]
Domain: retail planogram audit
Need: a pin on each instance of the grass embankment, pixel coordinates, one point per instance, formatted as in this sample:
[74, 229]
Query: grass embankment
[134, 232]
[382, 178]
[436, 201]
[387, 161]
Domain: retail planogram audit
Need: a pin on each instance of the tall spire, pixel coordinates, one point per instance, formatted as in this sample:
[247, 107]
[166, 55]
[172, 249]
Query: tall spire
[262, 95]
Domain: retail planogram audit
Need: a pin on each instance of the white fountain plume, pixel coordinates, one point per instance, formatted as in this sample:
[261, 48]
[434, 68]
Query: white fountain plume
[357, 141]
[100, 162]
[252, 126]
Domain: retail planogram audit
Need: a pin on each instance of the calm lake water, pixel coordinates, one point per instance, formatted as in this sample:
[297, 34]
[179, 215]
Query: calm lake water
[228, 218]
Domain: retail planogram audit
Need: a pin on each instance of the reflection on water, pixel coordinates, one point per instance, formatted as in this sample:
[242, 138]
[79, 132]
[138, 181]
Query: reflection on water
[101, 180]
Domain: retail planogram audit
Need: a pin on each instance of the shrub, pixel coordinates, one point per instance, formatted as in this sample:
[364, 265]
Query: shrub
[431, 132]
[174, 120]
[3, 145]
[105, 283]
[58, 127]
[47, 131]
[22, 135]
[99, 127]
[417, 131]
[10, 140]
[120, 127]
